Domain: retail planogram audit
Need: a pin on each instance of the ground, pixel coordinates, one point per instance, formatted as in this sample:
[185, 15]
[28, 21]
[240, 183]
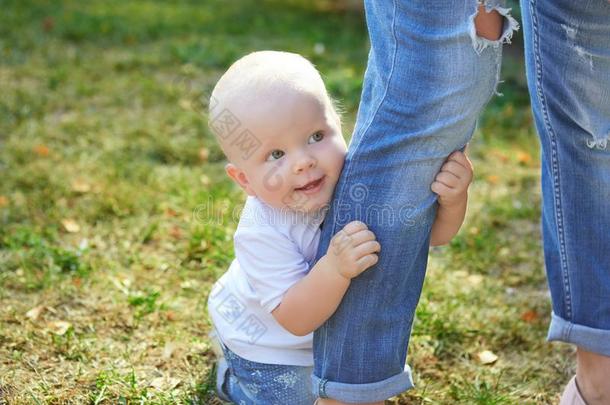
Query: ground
[116, 216]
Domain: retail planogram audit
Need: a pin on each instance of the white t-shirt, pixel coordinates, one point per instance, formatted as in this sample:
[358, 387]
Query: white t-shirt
[274, 249]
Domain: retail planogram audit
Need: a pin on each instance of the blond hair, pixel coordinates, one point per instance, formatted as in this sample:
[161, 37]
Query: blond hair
[258, 75]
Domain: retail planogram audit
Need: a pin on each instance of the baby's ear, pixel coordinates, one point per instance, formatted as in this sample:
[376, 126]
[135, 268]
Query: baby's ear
[239, 177]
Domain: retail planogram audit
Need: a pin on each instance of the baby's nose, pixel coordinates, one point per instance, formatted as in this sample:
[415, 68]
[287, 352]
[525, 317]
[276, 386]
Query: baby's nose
[306, 162]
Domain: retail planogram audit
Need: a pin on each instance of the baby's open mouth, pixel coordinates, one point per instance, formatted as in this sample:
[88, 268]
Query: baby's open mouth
[311, 185]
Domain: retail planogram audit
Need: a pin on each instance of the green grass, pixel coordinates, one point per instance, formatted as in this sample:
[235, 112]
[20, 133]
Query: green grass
[116, 215]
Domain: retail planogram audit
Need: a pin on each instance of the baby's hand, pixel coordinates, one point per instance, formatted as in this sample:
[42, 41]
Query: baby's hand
[451, 183]
[353, 250]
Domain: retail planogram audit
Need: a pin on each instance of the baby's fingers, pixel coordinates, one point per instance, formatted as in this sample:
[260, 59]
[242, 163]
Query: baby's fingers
[441, 189]
[367, 261]
[462, 159]
[367, 248]
[361, 237]
[353, 227]
[447, 178]
[457, 169]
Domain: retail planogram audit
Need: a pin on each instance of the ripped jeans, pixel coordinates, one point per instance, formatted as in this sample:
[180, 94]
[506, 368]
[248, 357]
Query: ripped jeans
[245, 382]
[567, 49]
[427, 79]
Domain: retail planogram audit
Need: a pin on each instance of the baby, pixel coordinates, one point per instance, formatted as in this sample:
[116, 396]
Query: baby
[281, 134]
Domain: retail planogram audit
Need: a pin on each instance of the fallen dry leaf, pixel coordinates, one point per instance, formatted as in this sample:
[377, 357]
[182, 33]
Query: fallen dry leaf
[41, 150]
[35, 312]
[122, 284]
[164, 384]
[530, 316]
[204, 153]
[176, 232]
[80, 186]
[48, 23]
[493, 179]
[498, 155]
[168, 350]
[475, 279]
[185, 104]
[3, 201]
[171, 212]
[430, 360]
[59, 327]
[192, 284]
[524, 157]
[70, 225]
[487, 357]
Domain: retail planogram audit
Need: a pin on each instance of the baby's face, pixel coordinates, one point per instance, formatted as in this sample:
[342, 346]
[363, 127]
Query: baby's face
[301, 151]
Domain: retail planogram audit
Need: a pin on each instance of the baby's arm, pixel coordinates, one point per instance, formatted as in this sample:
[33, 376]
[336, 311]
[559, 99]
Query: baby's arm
[311, 301]
[451, 185]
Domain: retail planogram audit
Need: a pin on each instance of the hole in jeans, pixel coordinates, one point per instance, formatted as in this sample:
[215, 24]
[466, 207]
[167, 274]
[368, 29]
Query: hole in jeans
[491, 25]
[488, 25]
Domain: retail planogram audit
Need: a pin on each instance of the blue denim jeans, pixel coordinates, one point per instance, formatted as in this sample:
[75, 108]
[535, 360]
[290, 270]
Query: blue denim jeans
[568, 69]
[245, 382]
[427, 79]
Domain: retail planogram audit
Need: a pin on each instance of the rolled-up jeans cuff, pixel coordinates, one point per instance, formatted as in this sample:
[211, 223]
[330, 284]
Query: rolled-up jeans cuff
[591, 339]
[363, 393]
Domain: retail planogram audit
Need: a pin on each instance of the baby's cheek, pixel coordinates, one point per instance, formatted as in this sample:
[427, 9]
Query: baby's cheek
[277, 190]
[272, 180]
[339, 161]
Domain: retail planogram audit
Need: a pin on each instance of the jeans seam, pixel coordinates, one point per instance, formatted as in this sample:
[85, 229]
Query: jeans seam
[568, 330]
[348, 170]
[322, 392]
[368, 124]
[554, 163]
[241, 385]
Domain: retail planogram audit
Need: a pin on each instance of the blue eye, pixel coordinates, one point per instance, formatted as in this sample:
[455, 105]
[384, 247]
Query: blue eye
[275, 154]
[316, 137]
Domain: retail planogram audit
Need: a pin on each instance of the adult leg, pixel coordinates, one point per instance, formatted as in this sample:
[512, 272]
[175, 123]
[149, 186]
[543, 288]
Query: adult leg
[568, 68]
[427, 79]
[592, 375]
